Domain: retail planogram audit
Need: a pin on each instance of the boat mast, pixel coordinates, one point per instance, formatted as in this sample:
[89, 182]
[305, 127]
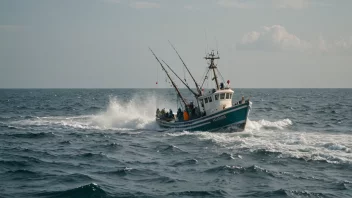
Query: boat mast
[195, 94]
[195, 82]
[172, 82]
[212, 66]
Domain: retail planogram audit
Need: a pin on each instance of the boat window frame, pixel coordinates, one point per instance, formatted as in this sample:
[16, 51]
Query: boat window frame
[227, 96]
[230, 95]
[223, 96]
[210, 98]
[205, 100]
[216, 96]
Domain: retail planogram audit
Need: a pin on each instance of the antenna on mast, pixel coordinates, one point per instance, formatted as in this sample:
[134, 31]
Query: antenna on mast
[217, 48]
[206, 41]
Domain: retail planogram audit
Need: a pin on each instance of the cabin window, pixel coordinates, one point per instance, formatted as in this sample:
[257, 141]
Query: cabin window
[227, 96]
[222, 96]
[216, 96]
[230, 96]
[206, 100]
[202, 103]
[210, 99]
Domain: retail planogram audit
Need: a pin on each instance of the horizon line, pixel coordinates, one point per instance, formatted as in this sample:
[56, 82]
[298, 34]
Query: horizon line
[181, 88]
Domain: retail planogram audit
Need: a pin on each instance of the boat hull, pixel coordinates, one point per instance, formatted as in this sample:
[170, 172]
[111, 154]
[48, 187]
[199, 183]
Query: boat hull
[234, 117]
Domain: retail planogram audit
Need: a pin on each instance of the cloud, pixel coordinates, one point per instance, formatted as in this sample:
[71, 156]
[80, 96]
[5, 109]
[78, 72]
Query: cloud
[274, 38]
[277, 38]
[113, 1]
[290, 4]
[235, 3]
[341, 46]
[299, 4]
[190, 7]
[144, 5]
[295, 4]
[136, 4]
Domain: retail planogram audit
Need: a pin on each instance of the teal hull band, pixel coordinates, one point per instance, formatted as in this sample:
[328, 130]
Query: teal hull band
[235, 117]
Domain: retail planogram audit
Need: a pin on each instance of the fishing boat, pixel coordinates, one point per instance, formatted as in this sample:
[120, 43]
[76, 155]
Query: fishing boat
[214, 109]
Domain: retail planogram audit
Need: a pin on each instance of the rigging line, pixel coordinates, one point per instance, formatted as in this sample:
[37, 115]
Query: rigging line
[205, 73]
[195, 82]
[206, 77]
[195, 94]
[173, 84]
[223, 80]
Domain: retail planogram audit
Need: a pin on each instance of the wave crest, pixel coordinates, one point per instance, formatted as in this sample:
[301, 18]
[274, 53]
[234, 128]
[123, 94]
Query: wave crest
[264, 124]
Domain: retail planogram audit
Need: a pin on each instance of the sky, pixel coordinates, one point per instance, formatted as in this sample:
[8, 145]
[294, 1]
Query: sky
[104, 43]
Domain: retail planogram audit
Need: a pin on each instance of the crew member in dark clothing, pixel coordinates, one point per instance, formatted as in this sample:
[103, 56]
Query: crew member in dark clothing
[171, 114]
[179, 114]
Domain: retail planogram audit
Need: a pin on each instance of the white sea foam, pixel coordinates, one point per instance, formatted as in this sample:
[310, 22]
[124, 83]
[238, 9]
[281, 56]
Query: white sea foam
[257, 125]
[138, 113]
[274, 136]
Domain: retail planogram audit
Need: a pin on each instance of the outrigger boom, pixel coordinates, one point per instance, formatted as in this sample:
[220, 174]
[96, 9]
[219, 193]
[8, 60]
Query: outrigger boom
[173, 84]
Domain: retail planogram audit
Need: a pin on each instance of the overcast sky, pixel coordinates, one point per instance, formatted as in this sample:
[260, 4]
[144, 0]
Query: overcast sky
[104, 43]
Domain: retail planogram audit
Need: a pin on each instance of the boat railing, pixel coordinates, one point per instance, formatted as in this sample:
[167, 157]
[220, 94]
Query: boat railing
[240, 102]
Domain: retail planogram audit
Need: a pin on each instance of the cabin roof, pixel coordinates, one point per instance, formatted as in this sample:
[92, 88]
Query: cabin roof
[217, 92]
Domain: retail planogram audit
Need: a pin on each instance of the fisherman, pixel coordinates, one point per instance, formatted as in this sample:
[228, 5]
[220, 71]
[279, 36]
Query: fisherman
[191, 105]
[197, 112]
[221, 85]
[162, 113]
[157, 112]
[193, 112]
[242, 101]
[179, 114]
[171, 114]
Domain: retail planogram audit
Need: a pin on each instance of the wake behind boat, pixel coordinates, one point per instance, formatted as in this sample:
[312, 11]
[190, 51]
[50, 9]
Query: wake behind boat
[214, 110]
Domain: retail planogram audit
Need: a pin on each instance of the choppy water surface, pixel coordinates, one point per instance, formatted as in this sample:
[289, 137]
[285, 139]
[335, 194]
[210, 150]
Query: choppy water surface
[105, 143]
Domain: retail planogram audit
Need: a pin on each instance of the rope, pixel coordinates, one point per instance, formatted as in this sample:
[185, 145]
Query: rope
[223, 80]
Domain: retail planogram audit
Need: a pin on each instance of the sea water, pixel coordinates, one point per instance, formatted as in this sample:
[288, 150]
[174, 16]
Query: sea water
[105, 143]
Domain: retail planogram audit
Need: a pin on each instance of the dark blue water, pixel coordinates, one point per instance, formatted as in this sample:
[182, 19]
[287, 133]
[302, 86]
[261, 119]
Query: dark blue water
[105, 143]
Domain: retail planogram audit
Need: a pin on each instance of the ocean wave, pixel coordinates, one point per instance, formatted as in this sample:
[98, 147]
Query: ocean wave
[267, 125]
[22, 175]
[130, 172]
[161, 180]
[89, 190]
[336, 146]
[287, 193]
[169, 149]
[118, 116]
[229, 156]
[343, 185]
[214, 193]
[185, 162]
[331, 147]
[32, 135]
[240, 170]
[21, 172]
[72, 178]
[13, 163]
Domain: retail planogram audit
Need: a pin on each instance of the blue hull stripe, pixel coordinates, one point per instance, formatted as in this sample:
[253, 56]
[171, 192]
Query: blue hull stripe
[200, 120]
[231, 116]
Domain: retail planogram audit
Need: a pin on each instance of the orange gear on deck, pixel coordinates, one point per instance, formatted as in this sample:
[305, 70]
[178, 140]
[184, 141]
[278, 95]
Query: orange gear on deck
[185, 116]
